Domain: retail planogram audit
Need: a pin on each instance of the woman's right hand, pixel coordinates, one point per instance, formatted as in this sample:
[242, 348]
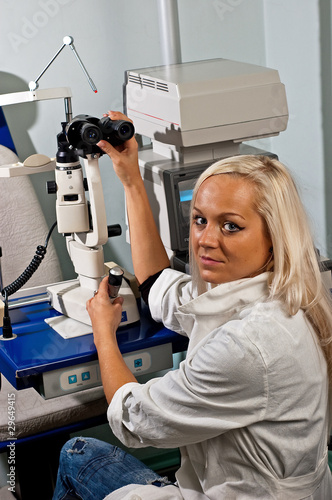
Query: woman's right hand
[125, 156]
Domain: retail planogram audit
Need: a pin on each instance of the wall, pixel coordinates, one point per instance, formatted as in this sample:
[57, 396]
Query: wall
[326, 72]
[293, 38]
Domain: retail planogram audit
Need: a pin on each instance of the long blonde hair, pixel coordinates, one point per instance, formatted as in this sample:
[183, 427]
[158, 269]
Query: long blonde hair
[295, 276]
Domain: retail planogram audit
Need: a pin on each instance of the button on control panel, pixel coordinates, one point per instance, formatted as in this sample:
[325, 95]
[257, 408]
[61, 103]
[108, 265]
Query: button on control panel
[138, 362]
[81, 376]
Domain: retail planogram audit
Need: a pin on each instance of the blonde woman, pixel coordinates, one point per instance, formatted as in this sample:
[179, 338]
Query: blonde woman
[249, 405]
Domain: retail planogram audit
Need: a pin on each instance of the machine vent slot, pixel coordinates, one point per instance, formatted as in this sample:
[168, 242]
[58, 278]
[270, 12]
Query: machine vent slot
[162, 86]
[135, 79]
[147, 82]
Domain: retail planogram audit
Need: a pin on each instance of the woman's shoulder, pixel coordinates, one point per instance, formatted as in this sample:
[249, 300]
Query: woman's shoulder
[273, 331]
[174, 285]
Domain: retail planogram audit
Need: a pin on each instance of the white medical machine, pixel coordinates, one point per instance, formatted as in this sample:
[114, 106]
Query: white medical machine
[195, 113]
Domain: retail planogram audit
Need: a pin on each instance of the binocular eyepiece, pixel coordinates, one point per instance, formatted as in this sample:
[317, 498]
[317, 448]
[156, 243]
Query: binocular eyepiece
[84, 132]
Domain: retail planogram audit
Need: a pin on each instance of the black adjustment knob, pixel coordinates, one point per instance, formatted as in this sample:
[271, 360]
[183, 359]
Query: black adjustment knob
[114, 281]
[114, 230]
[51, 187]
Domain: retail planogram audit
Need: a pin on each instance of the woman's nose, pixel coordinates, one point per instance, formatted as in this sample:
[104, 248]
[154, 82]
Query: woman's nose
[209, 237]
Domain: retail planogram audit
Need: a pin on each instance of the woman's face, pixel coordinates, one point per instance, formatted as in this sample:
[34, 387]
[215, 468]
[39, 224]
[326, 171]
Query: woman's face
[228, 237]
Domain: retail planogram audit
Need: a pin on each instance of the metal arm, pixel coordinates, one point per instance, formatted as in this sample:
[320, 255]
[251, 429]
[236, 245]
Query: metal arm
[67, 40]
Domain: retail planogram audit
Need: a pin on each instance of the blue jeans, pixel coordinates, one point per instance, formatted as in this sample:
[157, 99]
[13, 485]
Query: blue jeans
[90, 469]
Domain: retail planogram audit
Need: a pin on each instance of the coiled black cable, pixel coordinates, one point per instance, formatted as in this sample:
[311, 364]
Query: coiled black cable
[30, 269]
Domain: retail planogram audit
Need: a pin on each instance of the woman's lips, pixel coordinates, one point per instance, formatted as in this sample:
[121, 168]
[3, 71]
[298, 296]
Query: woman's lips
[209, 261]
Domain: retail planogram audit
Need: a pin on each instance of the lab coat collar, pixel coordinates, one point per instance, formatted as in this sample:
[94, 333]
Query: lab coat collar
[222, 303]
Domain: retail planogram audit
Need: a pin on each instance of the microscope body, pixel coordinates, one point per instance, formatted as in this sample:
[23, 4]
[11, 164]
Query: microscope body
[83, 223]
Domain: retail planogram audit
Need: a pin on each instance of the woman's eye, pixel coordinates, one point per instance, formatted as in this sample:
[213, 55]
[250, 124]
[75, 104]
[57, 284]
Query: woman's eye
[231, 227]
[199, 221]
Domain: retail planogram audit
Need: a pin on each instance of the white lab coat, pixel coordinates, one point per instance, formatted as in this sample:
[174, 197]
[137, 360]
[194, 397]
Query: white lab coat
[248, 406]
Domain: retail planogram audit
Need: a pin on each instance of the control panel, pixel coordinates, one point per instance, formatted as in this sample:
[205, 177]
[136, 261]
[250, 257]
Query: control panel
[85, 376]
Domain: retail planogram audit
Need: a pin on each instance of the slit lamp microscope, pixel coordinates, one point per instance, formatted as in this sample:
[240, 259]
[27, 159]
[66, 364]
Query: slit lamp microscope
[84, 222]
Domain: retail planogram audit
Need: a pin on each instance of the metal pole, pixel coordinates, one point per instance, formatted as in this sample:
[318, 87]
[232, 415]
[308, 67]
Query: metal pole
[68, 109]
[169, 31]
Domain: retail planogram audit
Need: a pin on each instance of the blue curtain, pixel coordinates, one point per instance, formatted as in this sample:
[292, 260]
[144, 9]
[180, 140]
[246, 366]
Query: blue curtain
[5, 137]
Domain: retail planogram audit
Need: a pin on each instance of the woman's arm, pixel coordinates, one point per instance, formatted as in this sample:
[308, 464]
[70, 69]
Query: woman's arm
[148, 252]
[106, 317]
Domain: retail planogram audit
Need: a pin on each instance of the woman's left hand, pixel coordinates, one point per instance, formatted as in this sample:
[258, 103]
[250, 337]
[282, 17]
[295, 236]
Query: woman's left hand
[105, 314]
